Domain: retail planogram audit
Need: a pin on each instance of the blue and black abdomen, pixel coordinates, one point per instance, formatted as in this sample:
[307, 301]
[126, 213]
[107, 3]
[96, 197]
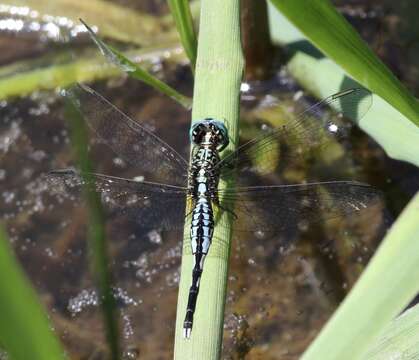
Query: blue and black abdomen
[210, 137]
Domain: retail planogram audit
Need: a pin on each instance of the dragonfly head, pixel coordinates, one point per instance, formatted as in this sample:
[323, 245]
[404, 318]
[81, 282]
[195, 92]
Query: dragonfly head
[209, 132]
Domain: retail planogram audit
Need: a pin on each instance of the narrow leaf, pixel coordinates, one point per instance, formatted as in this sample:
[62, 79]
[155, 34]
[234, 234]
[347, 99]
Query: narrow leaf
[62, 69]
[99, 259]
[335, 37]
[183, 19]
[24, 328]
[136, 72]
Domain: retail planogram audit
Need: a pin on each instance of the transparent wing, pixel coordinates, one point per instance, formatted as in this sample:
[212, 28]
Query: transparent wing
[153, 206]
[272, 209]
[288, 144]
[128, 139]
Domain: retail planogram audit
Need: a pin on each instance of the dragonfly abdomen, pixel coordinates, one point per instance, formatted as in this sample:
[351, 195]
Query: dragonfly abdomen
[202, 229]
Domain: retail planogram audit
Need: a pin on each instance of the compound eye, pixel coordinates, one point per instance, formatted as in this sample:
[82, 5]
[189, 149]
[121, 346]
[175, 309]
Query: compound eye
[195, 133]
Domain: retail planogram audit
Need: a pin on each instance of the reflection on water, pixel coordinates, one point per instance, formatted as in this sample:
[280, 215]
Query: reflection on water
[22, 20]
[281, 290]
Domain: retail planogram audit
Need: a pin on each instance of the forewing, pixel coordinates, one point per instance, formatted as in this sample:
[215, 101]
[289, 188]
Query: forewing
[153, 206]
[315, 128]
[272, 209]
[128, 139]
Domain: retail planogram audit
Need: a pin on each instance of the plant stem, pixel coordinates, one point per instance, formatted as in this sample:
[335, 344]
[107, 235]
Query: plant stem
[257, 46]
[218, 77]
[183, 19]
[99, 259]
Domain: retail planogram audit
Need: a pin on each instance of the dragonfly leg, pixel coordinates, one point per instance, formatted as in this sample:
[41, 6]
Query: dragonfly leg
[188, 214]
[231, 212]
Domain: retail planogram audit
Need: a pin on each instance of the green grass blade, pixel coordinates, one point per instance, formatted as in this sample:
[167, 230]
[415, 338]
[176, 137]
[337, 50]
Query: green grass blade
[399, 340]
[218, 76]
[321, 76]
[97, 243]
[183, 19]
[63, 69]
[24, 328]
[136, 72]
[335, 37]
[383, 290]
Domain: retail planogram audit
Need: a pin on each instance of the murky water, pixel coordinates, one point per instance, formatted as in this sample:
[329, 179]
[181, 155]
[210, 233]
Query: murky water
[281, 291]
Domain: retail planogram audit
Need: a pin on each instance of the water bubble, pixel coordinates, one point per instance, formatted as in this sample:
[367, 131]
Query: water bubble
[333, 128]
[8, 137]
[122, 295]
[84, 299]
[128, 330]
[251, 262]
[245, 87]
[11, 25]
[142, 272]
[89, 298]
[8, 196]
[41, 109]
[131, 354]
[118, 161]
[260, 234]
[49, 252]
[38, 155]
[172, 279]
[154, 237]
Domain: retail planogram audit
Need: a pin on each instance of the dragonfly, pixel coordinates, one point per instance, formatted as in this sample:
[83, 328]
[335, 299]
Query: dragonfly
[190, 191]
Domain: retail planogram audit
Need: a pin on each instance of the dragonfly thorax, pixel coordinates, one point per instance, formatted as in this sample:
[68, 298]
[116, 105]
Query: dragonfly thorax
[211, 133]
